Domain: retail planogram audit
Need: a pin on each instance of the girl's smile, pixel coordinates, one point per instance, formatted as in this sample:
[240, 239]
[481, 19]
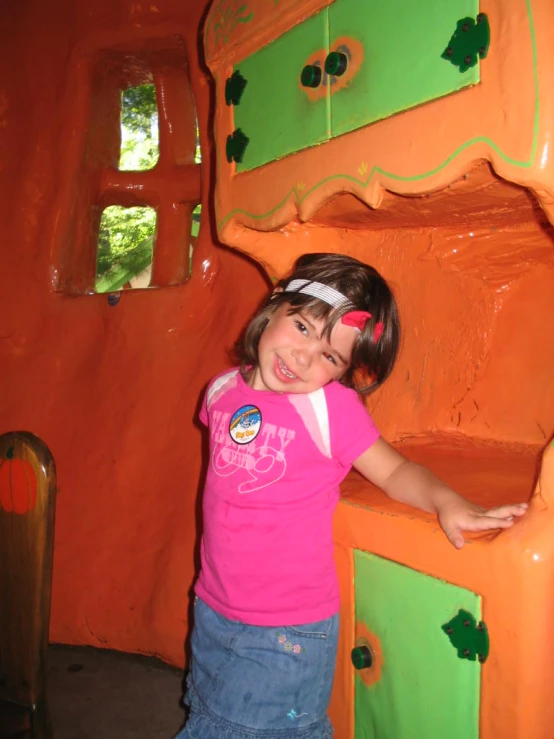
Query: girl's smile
[283, 372]
[295, 357]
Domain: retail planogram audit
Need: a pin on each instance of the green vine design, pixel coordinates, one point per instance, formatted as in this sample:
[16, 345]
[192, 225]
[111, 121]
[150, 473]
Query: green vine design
[226, 18]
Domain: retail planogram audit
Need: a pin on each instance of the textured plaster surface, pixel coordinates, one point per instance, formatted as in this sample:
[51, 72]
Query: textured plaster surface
[113, 391]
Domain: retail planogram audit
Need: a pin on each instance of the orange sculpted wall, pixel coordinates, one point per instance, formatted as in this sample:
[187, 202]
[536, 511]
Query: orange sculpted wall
[111, 390]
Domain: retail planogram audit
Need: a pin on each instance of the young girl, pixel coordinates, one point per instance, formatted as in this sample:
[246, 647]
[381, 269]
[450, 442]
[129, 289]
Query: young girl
[285, 429]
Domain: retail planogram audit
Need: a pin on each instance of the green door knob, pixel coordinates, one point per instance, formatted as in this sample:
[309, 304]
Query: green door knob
[311, 76]
[336, 63]
[361, 657]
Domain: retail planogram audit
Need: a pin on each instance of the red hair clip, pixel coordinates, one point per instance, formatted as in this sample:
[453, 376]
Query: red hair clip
[378, 331]
[358, 319]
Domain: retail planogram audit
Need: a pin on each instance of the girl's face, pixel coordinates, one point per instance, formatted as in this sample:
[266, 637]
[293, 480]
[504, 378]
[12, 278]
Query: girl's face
[294, 357]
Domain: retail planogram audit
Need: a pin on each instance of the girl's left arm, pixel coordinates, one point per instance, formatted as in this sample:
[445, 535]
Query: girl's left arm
[417, 486]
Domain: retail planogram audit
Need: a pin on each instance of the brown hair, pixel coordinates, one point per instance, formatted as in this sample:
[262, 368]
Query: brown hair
[365, 289]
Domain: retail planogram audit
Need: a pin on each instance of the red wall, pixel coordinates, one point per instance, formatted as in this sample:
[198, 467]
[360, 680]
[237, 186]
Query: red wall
[113, 391]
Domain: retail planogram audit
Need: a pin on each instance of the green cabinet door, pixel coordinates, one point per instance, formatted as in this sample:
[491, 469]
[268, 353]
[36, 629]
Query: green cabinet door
[425, 690]
[402, 66]
[274, 112]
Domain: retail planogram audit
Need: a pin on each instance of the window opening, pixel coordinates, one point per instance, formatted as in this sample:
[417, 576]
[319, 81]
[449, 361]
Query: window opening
[125, 248]
[197, 211]
[137, 177]
[126, 235]
[140, 133]
[196, 220]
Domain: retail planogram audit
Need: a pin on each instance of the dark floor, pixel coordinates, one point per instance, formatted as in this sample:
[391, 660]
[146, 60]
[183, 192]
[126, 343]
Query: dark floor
[96, 694]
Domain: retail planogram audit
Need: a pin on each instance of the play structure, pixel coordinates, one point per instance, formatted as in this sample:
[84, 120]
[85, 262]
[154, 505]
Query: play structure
[413, 136]
[416, 137]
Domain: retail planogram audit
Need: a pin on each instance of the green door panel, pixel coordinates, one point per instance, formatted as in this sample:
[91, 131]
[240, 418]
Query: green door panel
[425, 691]
[402, 67]
[275, 112]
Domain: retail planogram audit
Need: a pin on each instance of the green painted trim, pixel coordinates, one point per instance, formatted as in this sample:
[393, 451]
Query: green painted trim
[413, 178]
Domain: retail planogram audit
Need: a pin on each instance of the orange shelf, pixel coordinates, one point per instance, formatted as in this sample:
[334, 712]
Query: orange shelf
[485, 472]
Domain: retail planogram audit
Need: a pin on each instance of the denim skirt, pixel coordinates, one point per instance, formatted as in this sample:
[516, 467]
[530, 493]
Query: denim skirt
[249, 682]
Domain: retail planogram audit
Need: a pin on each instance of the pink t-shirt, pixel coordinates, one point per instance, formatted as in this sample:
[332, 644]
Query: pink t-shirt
[276, 462]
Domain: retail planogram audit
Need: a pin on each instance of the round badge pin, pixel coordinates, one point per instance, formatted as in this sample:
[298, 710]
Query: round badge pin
[245, 424]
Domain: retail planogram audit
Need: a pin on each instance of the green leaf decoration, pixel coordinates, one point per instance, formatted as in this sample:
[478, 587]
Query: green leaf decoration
[470, 42]
[234, 87]
[236, 145]
[469, 638]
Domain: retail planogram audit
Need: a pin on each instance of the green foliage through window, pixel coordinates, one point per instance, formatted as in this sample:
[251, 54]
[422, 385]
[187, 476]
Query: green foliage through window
[196, 221]
[139, 129]
[125, 246]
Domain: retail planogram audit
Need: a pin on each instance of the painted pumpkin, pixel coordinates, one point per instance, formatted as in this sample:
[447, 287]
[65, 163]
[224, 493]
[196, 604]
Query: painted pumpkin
[18, 484]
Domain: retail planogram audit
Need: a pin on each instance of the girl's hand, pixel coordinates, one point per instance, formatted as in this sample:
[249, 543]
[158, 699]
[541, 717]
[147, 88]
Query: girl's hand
[457, 515]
